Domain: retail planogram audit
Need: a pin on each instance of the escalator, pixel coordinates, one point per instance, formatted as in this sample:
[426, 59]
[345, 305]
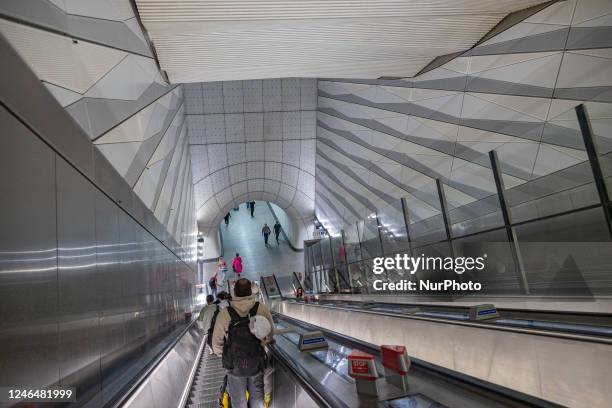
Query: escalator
[326, 371]
[316, 378]
[542, 353]
[206, 385]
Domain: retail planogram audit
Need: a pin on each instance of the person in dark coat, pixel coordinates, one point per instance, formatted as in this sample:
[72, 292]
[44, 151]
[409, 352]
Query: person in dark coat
[277, 231]
[226, 218]
[252, 208]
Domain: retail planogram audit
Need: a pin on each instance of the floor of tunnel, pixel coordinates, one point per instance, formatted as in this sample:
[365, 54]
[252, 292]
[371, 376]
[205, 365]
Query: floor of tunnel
[243, 235]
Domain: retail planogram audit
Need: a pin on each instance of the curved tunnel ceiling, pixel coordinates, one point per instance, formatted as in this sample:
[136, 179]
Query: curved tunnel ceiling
[252, 140]
[199, 41]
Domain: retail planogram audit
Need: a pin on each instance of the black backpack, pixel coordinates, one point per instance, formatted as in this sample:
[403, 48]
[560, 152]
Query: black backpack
[212, 283]
[211, 329]
[243, 355]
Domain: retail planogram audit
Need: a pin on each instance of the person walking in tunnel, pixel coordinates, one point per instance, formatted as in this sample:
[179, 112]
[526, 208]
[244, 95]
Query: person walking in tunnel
[241, 331]
[237, 264]
[252, 207]
[277, 231]
[226, 218]
[265, 231]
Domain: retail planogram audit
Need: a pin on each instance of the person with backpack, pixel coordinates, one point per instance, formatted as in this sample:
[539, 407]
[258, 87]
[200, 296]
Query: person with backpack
[237, 264]
[213, 285]
[277, 231]
[207, 312]
[239, 334]
[226, 218]
[265, 231]
[220, 303]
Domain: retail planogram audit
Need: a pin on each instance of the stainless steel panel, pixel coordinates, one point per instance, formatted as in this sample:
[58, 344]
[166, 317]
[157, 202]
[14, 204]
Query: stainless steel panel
[130, 260]
[283, 389]
[163, 392]
[80, 296]
[108, 260]
[302, 399]
[165, 385]
[117, 291]
[28, 258]
[179, 372]
[144, 398]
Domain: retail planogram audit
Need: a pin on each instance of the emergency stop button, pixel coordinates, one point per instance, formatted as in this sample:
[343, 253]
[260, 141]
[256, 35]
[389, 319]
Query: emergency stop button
[362, 366]
[395, 358]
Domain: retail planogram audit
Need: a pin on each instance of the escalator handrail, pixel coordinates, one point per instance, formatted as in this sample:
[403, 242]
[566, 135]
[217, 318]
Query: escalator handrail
[131, 387]
[434, 304]
[474, 323]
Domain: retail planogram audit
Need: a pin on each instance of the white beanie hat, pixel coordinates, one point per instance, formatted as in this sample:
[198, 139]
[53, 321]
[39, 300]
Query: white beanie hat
[260, 326]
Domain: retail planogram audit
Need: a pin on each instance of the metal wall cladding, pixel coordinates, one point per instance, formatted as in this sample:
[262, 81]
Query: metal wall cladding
[78, 281]
[85, 290]
[29, 338]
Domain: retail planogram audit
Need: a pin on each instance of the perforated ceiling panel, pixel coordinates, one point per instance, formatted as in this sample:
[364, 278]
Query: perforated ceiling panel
[252, 140]
[227, 40]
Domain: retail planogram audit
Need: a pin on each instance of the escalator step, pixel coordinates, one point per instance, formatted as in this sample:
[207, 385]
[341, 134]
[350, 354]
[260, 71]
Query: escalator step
[204, 387]
[204, 400]
[204, 395]
[214, 389]
[212, 369]
[205, 404]
[209, 377]
[212, 374]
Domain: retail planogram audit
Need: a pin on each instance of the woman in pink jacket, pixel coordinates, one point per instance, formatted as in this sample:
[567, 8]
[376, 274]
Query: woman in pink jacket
[237, 264]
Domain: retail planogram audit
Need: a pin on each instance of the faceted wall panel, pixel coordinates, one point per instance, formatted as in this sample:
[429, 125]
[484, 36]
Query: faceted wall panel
[94, 59]
[514, 92]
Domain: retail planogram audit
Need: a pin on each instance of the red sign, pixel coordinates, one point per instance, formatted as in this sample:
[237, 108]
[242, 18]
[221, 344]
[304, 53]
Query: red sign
[361, 365]
[395, 358]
